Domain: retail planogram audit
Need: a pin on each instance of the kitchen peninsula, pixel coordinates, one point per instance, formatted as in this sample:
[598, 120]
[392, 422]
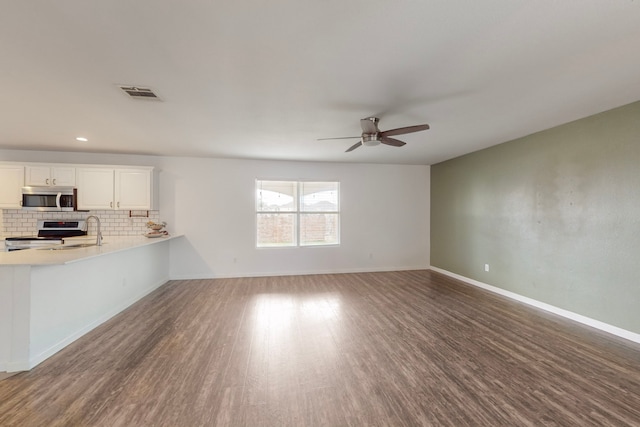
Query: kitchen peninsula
[50, 298]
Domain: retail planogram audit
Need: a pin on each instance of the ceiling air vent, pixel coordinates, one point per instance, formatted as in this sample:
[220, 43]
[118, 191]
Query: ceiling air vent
[136, 92]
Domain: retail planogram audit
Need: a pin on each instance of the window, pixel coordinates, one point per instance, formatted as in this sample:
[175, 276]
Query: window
[291, 213]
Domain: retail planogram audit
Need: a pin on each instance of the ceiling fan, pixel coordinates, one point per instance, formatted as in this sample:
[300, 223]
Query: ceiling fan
[371, 135]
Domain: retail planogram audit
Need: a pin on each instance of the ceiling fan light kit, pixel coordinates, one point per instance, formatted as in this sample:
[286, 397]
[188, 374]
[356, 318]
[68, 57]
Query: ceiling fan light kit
[371, 140]
[371, 134]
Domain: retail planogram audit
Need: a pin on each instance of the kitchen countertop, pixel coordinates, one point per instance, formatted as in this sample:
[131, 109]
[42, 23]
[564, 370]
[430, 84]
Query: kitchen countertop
[110, 244]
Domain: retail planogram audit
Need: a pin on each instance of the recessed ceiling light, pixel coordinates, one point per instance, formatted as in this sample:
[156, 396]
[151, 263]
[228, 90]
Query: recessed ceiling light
[82, 139]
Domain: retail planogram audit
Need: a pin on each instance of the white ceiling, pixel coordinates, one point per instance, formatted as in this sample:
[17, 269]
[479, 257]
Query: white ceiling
[264, 79]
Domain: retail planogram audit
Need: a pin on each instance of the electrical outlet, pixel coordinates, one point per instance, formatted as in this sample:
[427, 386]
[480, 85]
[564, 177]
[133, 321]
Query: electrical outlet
[486, 267]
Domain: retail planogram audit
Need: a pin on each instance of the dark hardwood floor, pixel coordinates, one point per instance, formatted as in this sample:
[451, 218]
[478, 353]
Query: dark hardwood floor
[380, 349]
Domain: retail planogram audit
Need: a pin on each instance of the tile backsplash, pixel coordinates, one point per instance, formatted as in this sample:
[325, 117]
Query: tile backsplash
[16, 222]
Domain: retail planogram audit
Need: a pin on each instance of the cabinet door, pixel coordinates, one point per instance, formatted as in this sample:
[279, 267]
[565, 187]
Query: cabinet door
[63, 177]
[37, 175]
[133, 189]
[95, 188]
[11, 182]
[50, 176]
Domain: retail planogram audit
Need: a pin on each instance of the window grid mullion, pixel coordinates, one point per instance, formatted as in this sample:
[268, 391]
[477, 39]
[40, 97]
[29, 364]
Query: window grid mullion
[298, 208]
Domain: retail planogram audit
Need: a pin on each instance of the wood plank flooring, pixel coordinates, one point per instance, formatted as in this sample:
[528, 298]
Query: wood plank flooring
[411, 348]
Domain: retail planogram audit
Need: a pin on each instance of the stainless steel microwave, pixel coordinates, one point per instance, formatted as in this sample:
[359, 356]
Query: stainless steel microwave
[55, 199]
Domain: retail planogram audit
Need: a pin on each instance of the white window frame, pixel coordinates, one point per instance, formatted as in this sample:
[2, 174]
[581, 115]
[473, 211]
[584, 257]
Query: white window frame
[298, 213]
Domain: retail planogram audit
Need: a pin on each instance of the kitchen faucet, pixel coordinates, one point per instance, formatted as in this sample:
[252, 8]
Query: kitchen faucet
[99, 236]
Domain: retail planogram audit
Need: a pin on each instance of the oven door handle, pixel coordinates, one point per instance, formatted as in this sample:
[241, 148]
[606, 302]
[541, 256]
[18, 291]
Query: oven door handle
[58, 200]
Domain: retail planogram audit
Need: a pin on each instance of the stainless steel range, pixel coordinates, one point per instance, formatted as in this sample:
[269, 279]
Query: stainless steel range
[50, 232]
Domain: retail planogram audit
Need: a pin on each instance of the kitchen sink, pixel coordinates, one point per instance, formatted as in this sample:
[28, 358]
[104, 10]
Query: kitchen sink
[67, 247]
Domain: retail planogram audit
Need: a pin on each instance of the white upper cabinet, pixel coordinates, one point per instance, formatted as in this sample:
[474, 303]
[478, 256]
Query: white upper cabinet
[11, 183]
[117, 188]
[95, 188]
[44, 175]
[133, 189]
[99, 187]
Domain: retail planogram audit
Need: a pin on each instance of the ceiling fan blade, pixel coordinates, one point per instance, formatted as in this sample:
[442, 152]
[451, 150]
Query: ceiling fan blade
[354, 146]
[369, 125]
[391, 141]
[341, 137]
[401, 131]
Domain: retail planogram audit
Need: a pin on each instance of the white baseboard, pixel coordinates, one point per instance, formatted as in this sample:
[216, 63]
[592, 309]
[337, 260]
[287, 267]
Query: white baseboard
[614, 330]
[16, 366]
[202, 276]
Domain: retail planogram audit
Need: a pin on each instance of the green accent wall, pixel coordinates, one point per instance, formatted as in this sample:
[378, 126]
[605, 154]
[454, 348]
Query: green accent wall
[556, 215]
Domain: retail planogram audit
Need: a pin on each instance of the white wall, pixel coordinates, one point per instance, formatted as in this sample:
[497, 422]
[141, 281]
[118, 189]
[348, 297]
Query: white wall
[385, 214]
[384, 217]
[67, 301]
[45, 308]
[14, 317]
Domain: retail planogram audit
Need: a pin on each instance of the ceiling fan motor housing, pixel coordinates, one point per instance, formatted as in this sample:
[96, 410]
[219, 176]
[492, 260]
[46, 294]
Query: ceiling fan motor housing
[370, 131]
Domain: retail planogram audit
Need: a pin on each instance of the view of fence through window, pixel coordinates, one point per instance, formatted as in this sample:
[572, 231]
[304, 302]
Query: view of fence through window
[292, 213]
